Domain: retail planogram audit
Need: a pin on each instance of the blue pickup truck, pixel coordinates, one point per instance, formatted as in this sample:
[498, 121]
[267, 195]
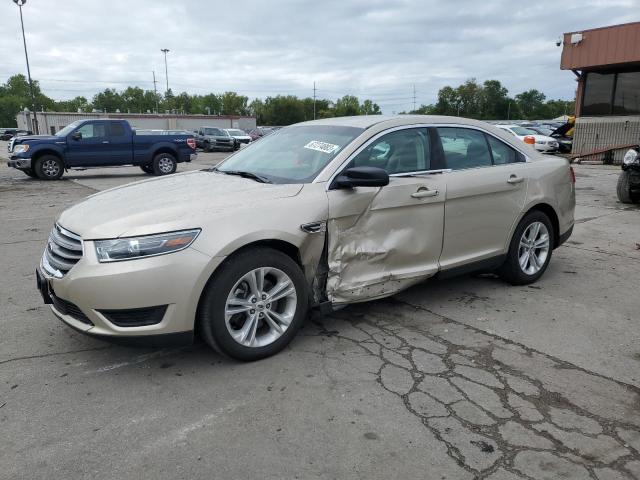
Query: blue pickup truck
[100, 143]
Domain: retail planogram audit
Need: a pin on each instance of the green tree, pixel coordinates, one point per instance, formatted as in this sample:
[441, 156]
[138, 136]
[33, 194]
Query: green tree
[283, 110]
[234, 104]
[108, 100]
[469, 96]
[347, 106]
[369, 108]
[448, 102]
[494, 100]
[15, 96]
[531, 104]
[73, 105]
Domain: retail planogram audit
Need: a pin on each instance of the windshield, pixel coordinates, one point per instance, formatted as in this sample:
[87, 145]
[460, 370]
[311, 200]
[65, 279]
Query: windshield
[214, 131]
[68, 129]
[544, 131]
[523, 131]
[292, 155]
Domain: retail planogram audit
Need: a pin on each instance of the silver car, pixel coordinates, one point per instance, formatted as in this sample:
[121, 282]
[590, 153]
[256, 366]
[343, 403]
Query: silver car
[317, 215]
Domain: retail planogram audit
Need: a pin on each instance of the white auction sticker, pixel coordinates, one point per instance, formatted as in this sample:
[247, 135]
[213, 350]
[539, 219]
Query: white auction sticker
[321, 146]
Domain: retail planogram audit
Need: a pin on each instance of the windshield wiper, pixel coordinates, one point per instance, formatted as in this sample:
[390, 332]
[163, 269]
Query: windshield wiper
[240, 173]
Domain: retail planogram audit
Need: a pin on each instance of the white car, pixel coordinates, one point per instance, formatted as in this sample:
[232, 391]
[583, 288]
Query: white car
[543, 143]
[239, 136]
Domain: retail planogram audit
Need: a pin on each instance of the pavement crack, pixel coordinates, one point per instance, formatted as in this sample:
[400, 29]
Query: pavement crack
[53, 354]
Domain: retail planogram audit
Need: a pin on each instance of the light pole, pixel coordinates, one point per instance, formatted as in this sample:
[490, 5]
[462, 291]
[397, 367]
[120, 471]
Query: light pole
[166, 71]
[20, 3]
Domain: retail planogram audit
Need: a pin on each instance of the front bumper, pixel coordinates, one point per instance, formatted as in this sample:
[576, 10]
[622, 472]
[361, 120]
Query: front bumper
[86, 296]
[18, 162]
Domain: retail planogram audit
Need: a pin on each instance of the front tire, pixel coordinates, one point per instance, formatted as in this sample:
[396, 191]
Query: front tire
[164, 164]
[253, 305]
[623, 188]
[49, 167]
[530, 250]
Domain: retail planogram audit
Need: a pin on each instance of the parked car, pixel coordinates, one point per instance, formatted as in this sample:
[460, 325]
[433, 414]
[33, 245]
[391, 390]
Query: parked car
[564, 143]
[543, 143]
[260, 132]
[213, 138]
[99, 143]
[240, 136]
[628, 188]
[323, 214]
[9, 133]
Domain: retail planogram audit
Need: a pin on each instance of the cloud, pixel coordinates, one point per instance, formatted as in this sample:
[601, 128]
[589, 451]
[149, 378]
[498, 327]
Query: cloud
[370, 48]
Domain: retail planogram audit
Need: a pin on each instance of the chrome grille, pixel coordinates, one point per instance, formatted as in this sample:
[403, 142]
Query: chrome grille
[64, 249]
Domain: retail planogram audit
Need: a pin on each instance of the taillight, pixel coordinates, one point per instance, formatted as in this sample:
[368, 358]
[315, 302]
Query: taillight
[530, 140]
[572, 174]
[191, 142]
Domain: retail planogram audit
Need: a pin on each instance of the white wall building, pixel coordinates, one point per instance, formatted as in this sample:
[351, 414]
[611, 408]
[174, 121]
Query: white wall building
[52, 122]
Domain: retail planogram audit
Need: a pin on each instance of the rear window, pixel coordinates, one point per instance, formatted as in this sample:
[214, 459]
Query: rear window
[116, 130]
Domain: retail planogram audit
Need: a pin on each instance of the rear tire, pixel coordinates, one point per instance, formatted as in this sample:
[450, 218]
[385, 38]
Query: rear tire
[261, 326]
[49, 167]
[623, 188]
[164, 164]
[530, 250]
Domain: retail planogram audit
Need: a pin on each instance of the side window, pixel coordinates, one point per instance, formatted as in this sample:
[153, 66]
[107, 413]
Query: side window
[92, 130]
[464, 148]
[401, 151]
[502, 153]
[116, 129]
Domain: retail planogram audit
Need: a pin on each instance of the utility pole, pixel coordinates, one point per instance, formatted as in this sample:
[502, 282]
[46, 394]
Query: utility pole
[166, 71]
[314, 100]
[155, 91]
[20, 3]
[509, 111]
[414, 98]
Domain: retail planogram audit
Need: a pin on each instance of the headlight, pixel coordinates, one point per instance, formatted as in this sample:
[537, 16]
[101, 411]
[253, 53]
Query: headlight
[630, 157]
[148, 246]
[21, 148]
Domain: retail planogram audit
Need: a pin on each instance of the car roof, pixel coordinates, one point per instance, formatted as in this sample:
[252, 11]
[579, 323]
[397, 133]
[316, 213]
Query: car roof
[368, 121]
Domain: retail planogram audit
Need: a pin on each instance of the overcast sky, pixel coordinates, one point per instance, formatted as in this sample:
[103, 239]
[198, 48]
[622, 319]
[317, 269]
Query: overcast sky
[377, 49]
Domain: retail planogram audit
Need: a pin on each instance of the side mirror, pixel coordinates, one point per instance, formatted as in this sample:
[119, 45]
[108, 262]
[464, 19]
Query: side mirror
[76, 136]
[362, 177]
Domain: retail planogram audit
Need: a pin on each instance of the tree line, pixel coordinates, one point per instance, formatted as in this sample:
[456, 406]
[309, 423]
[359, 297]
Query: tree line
[487, 101]
[491, 101]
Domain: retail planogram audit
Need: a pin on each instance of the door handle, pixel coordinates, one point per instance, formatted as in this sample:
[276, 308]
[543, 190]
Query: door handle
[423, 193]
[105, 141]
[513, 179]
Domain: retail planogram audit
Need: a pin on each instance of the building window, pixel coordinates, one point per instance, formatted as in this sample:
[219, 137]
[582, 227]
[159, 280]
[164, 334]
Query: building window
[611, 94]
[598, 93]
[53, 130]
[627, 96]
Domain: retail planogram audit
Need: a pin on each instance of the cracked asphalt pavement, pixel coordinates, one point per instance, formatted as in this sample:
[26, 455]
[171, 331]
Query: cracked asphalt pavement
[466, 378]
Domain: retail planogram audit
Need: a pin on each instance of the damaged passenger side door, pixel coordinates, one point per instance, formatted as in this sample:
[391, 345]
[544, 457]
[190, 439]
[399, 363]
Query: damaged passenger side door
[383, 239]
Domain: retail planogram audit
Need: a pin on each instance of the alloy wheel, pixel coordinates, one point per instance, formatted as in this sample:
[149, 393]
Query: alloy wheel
[165, 165]
[50, 168]
[534, 248]
[260, 307]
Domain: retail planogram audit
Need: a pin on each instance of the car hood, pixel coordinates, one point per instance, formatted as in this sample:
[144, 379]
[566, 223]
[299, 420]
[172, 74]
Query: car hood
[39, 138]
[176, 202]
